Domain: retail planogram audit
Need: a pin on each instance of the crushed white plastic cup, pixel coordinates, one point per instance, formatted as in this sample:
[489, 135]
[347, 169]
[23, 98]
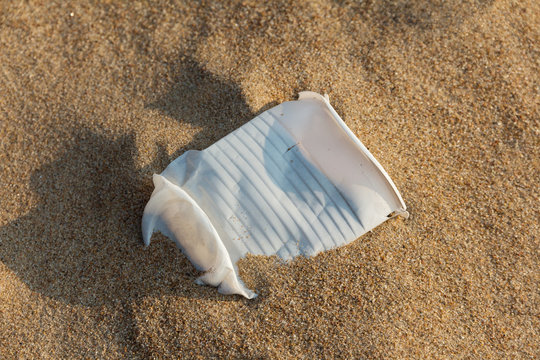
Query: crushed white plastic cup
[293, 181]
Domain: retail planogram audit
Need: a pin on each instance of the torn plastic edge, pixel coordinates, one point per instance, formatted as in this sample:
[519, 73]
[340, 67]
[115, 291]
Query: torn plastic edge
[221, 273]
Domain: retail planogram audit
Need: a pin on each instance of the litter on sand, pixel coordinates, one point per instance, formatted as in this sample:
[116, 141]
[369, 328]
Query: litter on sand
[293, 181]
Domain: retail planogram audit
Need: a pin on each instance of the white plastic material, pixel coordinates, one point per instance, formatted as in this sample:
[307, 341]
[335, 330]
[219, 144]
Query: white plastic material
[294, 180]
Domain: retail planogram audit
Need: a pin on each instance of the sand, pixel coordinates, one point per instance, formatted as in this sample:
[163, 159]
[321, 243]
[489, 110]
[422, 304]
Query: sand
[95, 97]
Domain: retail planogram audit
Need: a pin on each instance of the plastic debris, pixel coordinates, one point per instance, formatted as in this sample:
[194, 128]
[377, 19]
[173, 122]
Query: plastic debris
[293, 181]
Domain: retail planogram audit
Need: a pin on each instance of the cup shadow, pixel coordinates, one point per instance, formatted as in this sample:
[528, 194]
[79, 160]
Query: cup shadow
[82, 243]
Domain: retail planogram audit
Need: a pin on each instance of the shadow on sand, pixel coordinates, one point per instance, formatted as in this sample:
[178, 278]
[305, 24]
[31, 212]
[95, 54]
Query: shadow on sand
[82, 244]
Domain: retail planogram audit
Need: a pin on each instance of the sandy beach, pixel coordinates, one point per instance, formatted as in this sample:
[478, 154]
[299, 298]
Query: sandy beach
[95, 97]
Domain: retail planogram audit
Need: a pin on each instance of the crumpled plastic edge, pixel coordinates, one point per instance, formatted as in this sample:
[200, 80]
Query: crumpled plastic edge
[207, 253]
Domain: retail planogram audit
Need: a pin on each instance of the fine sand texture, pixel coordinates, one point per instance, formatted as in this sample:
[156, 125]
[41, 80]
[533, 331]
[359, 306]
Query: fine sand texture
[96, 96]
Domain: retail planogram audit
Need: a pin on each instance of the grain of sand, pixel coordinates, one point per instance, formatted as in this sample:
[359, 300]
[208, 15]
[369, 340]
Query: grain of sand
[95, 97]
